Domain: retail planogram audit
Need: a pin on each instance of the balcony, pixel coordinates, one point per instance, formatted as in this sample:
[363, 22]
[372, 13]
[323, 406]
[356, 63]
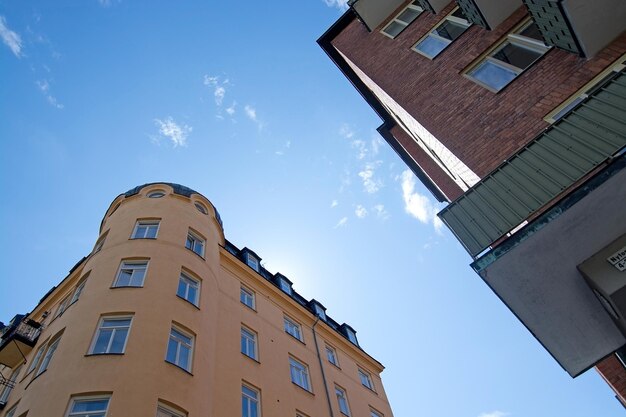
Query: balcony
[582, 27]
[565, 153]
[488, 13]
[17, 340]
[374, 12]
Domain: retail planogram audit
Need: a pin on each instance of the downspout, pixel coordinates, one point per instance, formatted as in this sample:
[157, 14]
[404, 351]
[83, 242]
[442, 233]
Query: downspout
[319, 358]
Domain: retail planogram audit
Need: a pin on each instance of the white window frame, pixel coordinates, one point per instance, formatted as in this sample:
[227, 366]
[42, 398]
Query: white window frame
[244, 294]
[47, 358]
[156, 194]
[189, 281]
[168, 411]
[78, 290]
[180, 343]
[250, 341]
[115, 330]
[366, 379]
[332, 352]
[433, 33]
[252, 262]
[341, 394]
[195, 240]
[63, 305]
[299, 373]
[284, 285]
[128, 264]
[253, 401]
[36, 358]
[402, 23]
[99, 243]
[513, 38]
[375, 413]
[582, 93]
[79, 399]
[293, 328]
[147, 224]
[6, 392]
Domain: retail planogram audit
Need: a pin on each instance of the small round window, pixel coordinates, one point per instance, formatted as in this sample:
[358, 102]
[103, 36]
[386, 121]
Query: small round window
[201, 208]
[156, 194]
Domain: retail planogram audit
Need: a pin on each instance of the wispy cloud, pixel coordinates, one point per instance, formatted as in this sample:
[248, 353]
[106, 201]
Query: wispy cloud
[381, 212]
[416, 204]
[250, 112]
[339, 4]
[176, 133]
[107, 3]
[44, 87]
[346, 131]
[370, 183]
[342, 222]
[231, 110]
[10, 38]
[219, 90]
[360, 211]
[494, 414]
[361, 148]
[334, 204]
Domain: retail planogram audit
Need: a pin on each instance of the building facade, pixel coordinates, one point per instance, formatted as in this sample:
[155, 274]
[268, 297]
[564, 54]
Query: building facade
[167, 318]
[514, 113]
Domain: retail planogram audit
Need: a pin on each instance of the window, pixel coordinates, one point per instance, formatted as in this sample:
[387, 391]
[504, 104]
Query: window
[8, 387]
[252, 262]
[246, 297]
[518, 51]
[156, 194]
[201, 208]
[111, 336]
[285, 285]
[331, 355]
[248, 343]
[146, 229]
[299, 374]
[99, 244]
[36, 359]
[179, 349]
[366, 380]
[47, 358]
[89, 407]
[131, 274]
[62, 306]
[374, 413]
[249, 402]
[165, 411]
[588, 89]
[403, 19]
[319, 311]
[195, 243]
[11, 412]
[342, 400]
[188, 288]
[293, 328]
[78, 291]
[447, 31]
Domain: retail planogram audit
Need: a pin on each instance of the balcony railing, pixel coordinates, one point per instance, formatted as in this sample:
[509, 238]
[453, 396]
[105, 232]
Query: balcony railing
[22, 329]
[562, 155]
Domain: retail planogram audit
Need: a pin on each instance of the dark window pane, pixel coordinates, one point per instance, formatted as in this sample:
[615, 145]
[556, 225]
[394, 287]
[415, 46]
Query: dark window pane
[517, 56]
[459, 13]
[532, 31]
[103, 341]
[394, 29]
[450, 30]
[408, 15]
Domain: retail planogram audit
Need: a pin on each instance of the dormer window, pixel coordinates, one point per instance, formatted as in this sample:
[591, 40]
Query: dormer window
[283, 283]
[252, 262]
[318, 309]
[156, 194]
[350, 333]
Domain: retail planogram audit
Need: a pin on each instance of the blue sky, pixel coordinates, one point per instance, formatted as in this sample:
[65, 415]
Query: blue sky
[236, 100]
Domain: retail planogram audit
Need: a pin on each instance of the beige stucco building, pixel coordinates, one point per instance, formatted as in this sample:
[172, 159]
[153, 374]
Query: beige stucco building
[166, 317]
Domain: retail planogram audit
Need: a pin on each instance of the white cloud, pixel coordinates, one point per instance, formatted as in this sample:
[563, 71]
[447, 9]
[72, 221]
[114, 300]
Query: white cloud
[219, 94]
[219, 90]
[346, 131]
[360, 211]
[360, 147]
[334, 203]
[288, 144]
[494, 414]
[250, 112]
[44, 87]
[339, 4]
[370, 183]
[376, 142]
[231, 110]
[342, 222]
[10, 38]
[381, 212]
[175, 133]
[208, 80]
[107, 3]
[416, 204]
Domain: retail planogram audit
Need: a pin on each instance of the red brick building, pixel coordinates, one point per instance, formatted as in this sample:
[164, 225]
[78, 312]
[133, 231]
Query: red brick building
[514, 112]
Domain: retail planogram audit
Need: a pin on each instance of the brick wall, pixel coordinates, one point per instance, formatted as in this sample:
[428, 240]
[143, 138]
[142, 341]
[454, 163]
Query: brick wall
[614, 373]
[480, 127]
